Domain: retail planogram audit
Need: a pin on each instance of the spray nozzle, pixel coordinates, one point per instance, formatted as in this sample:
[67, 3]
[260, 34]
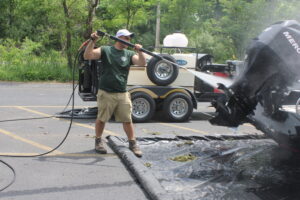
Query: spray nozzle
[100, 33]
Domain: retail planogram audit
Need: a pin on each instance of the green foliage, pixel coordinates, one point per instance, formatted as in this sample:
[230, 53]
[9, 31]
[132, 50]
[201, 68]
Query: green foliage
[23, 62]
[33, 33]
[119, 14]
[243, 20]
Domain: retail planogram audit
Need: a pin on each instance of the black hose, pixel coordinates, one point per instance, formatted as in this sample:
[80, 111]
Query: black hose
[14, 178]
[63, 140]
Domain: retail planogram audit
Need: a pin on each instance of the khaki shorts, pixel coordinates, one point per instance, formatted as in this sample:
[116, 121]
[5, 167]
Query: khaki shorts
[110, 103]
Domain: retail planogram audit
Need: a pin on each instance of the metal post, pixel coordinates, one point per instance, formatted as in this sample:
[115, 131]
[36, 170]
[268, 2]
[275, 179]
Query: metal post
[157, 32]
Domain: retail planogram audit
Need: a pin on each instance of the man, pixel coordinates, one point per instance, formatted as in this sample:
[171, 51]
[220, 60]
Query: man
[112, 97]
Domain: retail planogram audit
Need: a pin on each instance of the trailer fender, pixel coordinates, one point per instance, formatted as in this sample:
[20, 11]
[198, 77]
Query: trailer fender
[145, 90]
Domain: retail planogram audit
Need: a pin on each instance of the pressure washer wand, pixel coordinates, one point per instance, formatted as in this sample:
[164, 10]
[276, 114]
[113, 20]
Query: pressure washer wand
[101, 33]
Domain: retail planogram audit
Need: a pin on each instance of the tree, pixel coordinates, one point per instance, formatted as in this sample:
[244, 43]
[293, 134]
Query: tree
[123, 13]
[7, 8]
[73, 15]
[220, 27]
[68, 32]
[92, 5]
[244, 20]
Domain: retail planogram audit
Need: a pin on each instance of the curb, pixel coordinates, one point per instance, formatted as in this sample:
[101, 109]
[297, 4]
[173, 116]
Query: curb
[147, 180]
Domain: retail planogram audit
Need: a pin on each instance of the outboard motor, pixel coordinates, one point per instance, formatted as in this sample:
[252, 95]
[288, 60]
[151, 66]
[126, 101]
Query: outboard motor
[271, 66]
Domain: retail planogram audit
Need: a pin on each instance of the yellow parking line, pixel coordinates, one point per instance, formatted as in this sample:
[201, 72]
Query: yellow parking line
[17, 154]
[75, 123]
[32, 111]
[40, 146]
[85, 155]
[63, 154]
[184, 128]
[13, 106]
[26, 108]
[194, 130]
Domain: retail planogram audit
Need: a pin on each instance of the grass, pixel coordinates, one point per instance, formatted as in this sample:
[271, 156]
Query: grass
[29, 63]
[35, 68]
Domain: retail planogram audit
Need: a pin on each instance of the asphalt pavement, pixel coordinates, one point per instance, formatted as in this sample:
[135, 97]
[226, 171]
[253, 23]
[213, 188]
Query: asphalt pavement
[73, 171]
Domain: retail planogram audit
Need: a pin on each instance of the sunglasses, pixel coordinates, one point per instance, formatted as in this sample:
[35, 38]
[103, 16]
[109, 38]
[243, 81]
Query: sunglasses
[126, 37]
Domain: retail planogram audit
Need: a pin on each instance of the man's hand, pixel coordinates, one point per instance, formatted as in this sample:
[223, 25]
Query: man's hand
[137, 48]
[94, 37]
[139, 58]
[92, 53]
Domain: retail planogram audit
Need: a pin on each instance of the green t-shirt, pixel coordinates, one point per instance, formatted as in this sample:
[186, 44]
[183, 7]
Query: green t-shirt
[116, 64]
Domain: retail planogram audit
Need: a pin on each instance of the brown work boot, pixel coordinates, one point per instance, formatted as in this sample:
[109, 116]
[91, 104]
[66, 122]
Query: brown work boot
[99, 146]
[135, 148]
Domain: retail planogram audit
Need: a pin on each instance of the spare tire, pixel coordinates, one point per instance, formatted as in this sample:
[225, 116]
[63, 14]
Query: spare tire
[161, 72]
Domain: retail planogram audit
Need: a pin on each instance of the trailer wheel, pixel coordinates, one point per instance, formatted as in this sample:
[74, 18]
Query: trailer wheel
[178, 107]
[160, 72]
[143, 106]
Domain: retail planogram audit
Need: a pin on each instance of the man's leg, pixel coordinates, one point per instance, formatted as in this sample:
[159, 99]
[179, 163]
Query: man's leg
[106, 106]
[123, 114]
[128, 128]
[99, 127]
[99, 145]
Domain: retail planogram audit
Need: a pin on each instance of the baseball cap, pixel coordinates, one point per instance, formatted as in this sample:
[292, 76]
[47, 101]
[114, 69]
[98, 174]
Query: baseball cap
[124, 32]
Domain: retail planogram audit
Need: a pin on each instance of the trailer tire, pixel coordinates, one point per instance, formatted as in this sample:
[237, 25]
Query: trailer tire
[160, 72]
[143, 107]
[178, 107]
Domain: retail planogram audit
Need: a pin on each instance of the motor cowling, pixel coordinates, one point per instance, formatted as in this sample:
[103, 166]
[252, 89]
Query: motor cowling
[272, 64]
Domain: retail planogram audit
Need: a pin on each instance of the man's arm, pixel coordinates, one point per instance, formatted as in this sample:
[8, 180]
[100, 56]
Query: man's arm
[90, 52]
[139, 58]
